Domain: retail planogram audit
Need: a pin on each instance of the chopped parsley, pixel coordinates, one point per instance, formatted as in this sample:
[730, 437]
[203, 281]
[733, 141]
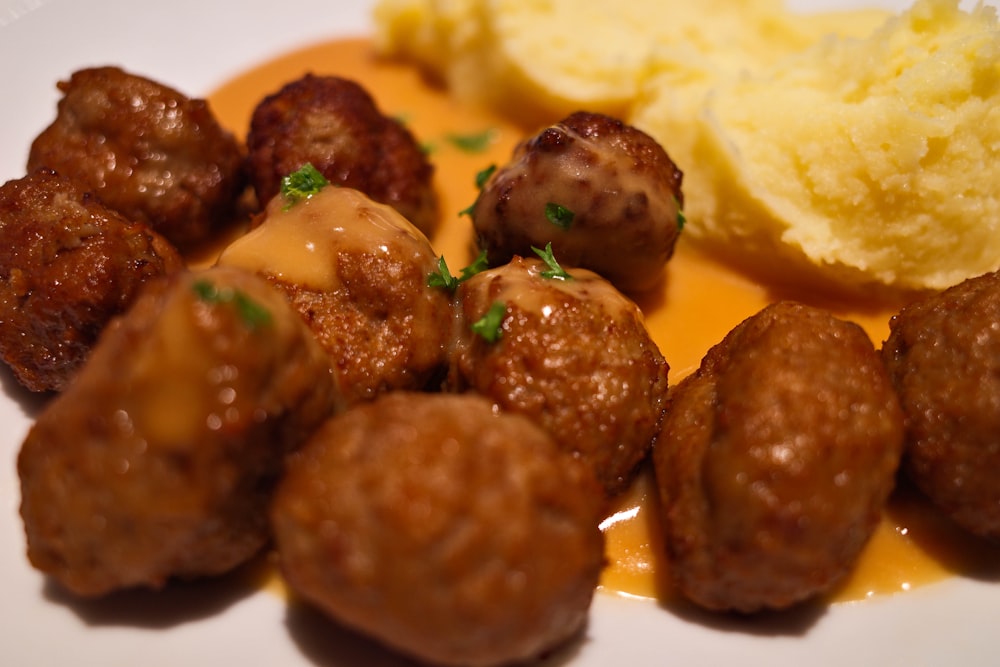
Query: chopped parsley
[681, 218]
[442, 277]
[554, 272]
[252, 313]
[479, 264]
[489, 326]
[475, 142]
[302, 184]
[482, 176]
[559, 215]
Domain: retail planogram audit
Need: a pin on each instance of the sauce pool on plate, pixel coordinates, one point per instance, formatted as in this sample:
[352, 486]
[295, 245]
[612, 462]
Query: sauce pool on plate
[698, 303]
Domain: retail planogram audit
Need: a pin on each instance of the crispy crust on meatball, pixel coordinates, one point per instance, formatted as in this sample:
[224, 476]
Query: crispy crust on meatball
[455, 534]
[776, 460]
[943, 354]
[619, 193]
[145, 150]
[335, 125]
[159, 460]
[573, 355]
[68, 264]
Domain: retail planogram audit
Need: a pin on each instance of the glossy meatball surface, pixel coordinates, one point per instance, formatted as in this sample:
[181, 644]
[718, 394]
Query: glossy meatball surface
[943, 353]
[145, 150]
[775, 461]
[605, 194]
[158, 461]
[68, 264]
[356, 271]
[572, 354]
[454, 534]
[334, 124]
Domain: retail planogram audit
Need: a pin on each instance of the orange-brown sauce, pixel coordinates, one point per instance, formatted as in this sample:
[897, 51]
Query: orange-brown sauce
[699, 302]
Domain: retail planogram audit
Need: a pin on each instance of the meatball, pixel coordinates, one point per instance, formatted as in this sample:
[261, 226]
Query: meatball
[572, 354]
[356, 271]
[146, 151]
[605, 194]
[445, 530]
[68, 264]
[776, 459]
[943, 354]
[160, 459]
[335, 125]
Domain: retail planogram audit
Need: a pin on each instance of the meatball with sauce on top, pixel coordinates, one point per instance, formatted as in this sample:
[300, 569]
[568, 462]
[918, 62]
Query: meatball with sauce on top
[568, 350]
[145, 150]
[334, 124]
[68, 264]
[604, 194]
[776, 460]
[159, 460]
[943, 354]
[452, 533]
[356, 271]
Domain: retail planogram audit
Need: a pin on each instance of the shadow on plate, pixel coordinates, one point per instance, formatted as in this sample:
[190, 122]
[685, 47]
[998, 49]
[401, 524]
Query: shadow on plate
[177, 603]
[29, 402]
[795, 622]
[326, 643]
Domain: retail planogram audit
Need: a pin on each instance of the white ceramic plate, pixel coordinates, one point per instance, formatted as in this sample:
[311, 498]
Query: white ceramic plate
[195, 45]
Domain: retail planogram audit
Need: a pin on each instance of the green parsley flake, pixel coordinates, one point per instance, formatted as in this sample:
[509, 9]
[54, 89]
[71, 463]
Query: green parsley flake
[554, 272]
[302, 184]
[482, 176]
[474, 142]
[442, 277]
[479, 264]
[489, 326]
[681, 218]
[252, 313]
[559, 215]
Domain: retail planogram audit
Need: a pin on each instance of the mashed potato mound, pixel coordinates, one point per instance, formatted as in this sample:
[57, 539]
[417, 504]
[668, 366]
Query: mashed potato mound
[539, 60]
[856, 147]
[874, 159]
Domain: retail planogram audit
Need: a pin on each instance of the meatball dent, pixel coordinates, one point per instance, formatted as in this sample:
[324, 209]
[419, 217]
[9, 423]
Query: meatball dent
[356, 271]
[68, 264]
[158, 461]
[335, 125]
[145, 150]
[572, 354]
[776, 459]
[605, 194]
[452, 533]
[943, 354]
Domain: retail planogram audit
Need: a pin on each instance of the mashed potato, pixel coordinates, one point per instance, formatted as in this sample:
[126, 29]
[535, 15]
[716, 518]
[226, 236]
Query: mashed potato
[856, 147]
[543, 59]
[873, 159]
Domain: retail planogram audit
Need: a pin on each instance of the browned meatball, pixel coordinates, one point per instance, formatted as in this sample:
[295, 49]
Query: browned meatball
[335, 125]
[356, 271]
[160, 459]
[776, 459]
[605, 194]
[572, 354]
[68, 265]
[145, 150]
[445, 530]
[943, 354]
